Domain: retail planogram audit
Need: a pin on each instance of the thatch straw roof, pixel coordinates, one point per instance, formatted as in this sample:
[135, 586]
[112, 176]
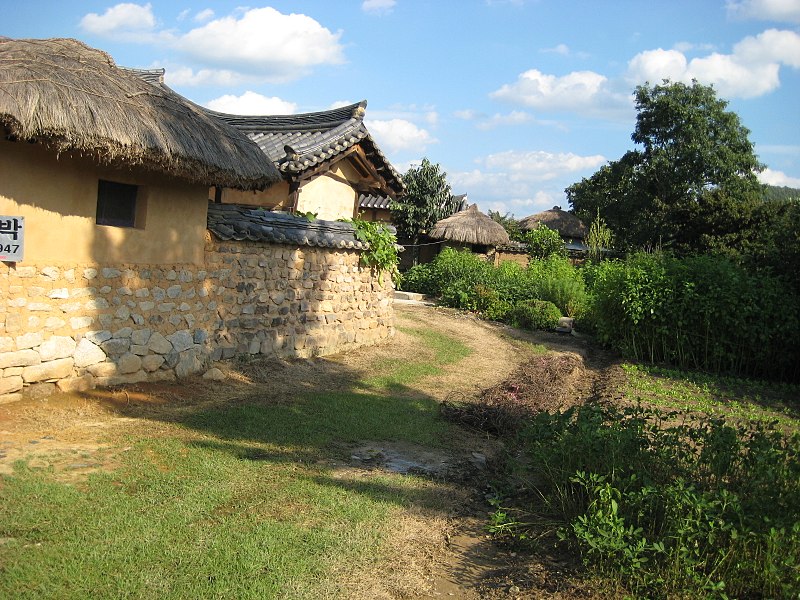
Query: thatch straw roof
[567, 224]
[74, 98]
[470, 226]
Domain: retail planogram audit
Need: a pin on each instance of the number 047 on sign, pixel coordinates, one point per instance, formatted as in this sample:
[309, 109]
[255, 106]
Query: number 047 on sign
[12, 238]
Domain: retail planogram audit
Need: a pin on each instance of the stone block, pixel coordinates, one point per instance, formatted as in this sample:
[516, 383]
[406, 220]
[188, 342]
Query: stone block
[141, 336]
[152, 362]
[8, 398]
[20, 358]
[81, 322]
[188, 364]
[29, 340]
[54, 369]
[9, 385]
[116, 347]
[214, 374]
[104, 369]
[76, 384]
[159, 344]
[88, 353]
[181, 340]
[128, 363]
[56, 347]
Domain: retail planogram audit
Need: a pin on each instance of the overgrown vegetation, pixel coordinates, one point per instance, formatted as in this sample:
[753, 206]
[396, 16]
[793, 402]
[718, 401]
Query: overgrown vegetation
[701, 312]
[688, 488]
[382, 252]
[463, 280]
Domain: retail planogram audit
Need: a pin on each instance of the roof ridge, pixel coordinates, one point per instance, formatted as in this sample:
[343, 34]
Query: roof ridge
[325, 119]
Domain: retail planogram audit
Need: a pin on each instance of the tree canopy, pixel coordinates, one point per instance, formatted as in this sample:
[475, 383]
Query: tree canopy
[427, 200]
[691, 182]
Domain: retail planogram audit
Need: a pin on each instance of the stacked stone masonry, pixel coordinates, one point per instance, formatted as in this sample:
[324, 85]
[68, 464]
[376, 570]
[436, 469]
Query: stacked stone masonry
[84, 326]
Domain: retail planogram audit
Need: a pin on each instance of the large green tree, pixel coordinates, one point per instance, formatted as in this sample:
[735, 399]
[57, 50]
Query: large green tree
[427, 200]
[689, 185]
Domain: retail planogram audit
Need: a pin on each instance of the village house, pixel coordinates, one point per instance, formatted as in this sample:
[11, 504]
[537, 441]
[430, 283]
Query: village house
[328, 160]
[124, 270]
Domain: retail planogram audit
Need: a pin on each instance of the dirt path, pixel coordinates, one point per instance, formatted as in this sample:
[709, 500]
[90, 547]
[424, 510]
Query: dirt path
[436, 556]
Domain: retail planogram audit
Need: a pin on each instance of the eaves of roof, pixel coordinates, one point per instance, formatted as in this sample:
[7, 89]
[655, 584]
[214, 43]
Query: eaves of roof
[245, 223]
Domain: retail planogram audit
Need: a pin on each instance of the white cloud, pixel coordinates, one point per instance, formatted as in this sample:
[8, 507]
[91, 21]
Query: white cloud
[751, 70]
[264, 42]
[340, 104]
[561, 49]
[515, 117]
[378, 6]
[538, 165]
[399, 134]
[252, 103]
[524, 182]
[765, 10]
[122, 20]
[581, 91]
[538, 90]
[179, 75]
[251, 45]
[467, 114]
[778, 178]
[204, 15]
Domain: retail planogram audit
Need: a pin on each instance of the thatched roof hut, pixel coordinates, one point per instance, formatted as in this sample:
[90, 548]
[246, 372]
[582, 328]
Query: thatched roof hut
[567, 224]
[74, 98]
[470, 226]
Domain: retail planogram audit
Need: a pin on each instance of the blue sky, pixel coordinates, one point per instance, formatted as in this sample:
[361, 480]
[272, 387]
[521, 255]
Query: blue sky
[516, 99]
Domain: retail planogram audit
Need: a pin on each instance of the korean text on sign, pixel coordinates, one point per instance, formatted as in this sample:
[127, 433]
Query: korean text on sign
[12, 238]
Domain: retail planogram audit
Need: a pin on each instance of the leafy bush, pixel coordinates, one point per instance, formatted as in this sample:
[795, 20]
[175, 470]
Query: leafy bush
[544, 242]
[559, 282]
[535, 314]
[701, 312]
[466, 281]
[418, 279]
[699, 509]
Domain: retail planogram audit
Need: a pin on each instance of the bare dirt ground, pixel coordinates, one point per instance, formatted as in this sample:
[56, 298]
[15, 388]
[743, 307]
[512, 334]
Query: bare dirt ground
[435, 556]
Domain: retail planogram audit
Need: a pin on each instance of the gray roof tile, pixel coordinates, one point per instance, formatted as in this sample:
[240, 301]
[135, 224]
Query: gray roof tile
[374, 201]
[298, 143]
[245, 223]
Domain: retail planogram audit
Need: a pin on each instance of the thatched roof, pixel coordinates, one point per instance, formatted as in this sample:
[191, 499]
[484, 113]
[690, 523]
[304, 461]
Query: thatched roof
[74, 98]
[567, 224]
[470, 226]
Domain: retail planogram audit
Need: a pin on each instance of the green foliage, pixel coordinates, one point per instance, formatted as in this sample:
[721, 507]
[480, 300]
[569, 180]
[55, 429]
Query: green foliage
[464, 280]
[697, 313]
[425, 202]
[691, 184]
[773, 193]
[308, 216]
[535, 314]
[382, 252]
[419, 279]
[663, 509]
[599, 239]
[544, 242]
[509, 223]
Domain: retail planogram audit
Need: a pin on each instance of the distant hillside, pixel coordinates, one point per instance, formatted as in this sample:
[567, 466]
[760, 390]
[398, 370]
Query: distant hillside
[774, 192]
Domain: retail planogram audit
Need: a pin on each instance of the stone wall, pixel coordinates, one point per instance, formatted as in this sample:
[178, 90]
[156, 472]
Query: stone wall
[83, 326]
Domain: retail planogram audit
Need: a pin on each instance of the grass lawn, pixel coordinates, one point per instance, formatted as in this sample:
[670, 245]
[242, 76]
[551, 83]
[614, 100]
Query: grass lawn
[253, 499]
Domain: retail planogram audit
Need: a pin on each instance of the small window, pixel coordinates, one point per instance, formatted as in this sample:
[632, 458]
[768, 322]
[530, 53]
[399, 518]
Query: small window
[116, 204]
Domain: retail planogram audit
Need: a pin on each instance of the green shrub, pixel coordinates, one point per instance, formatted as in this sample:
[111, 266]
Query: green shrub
[535, 314]
[702, 312]
[544, 242]
[418, 279]
[663, 510]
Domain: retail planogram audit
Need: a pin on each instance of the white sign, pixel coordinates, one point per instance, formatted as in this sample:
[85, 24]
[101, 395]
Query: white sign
[12, 238]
